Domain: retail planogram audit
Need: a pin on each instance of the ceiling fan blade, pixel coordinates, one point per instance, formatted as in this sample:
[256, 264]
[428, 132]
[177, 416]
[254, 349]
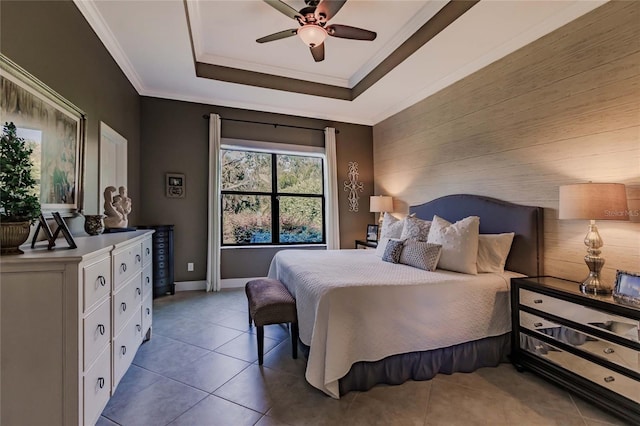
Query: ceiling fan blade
[328, 8]
[277, 36]
[283, 8]
[318, 52]
[345, 31]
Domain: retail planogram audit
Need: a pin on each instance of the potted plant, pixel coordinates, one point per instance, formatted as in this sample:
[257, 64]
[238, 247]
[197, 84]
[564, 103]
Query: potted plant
[19, 204]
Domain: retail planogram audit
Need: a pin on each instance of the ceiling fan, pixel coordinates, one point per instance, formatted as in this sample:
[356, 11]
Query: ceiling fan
[313, 25]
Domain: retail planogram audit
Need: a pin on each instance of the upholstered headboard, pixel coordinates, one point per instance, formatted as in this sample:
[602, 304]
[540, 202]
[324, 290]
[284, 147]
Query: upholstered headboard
[496, 217]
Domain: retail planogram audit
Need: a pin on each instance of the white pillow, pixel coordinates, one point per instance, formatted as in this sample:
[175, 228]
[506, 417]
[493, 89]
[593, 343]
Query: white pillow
[415, 229]
[459, 243]
[391, 226]
[493, 250]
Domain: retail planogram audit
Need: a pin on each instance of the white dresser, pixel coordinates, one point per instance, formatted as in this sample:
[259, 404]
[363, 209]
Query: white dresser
[71, 322]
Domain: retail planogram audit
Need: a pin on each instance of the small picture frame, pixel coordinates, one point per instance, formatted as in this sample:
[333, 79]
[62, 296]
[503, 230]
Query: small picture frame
[42, 224]
[62, 227]
[627, 288]
[372, 233]
[175, 185]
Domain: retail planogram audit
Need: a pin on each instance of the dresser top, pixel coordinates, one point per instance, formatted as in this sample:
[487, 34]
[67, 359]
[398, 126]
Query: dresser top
[573, 289]
[88, 246]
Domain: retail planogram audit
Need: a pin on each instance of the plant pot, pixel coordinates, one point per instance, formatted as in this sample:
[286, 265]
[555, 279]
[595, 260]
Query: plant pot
[94, 224]
[13, 235]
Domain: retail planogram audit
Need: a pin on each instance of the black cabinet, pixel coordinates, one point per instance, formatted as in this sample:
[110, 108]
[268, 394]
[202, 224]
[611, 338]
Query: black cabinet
[163, 276]
[588, 344]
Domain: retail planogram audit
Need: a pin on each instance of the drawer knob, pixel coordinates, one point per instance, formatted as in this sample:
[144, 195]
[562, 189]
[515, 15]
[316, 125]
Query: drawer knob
[148, 311]
[100, 382]
[148, 251]
[123, 267]
[101, 280]
[537, 301]
[138, 327]
[608, 351]
[137, 258]
[101, 329]
[138, 291]
[148, 280]
[609, 379]
[537, 324]
[124, 306]
[123, 350]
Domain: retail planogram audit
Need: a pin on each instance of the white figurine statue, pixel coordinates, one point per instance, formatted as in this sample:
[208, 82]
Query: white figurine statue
[116, 208]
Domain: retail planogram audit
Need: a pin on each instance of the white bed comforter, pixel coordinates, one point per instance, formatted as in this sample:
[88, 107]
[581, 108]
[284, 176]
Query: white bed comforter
[353, 307]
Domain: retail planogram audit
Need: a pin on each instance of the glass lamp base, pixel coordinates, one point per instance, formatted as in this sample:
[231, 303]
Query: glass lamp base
[592, 285]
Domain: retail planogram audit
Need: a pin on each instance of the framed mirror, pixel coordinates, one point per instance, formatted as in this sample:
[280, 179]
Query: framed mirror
[54, 128]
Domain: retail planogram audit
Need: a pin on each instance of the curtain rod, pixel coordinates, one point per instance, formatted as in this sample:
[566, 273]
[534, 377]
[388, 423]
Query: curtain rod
[206, 117]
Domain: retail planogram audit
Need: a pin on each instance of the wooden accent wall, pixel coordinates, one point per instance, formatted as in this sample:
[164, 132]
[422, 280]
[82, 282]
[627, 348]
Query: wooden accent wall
[563, 109]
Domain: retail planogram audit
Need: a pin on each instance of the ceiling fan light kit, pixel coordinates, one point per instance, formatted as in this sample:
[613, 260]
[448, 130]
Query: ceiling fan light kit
[312, 35]
[312, 20]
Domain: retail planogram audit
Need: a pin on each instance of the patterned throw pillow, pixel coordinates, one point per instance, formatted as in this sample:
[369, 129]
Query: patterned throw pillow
[459, 243]
[415, 229]
[420, 254]
[392, 251]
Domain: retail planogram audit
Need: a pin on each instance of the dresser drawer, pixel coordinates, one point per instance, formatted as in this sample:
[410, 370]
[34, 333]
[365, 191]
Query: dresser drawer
[97, 332]
[126, 302]
[147, 252]
[617, 354]
[147, 312]
[97, 387]
[147, 281]
[97, 282]
[126, 263]
[125, 346]
[597, 374]
[621, 326]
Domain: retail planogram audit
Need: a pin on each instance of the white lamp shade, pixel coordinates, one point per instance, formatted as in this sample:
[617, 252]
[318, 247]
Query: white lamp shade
[594, 201]
[312, 35]
[381, 203]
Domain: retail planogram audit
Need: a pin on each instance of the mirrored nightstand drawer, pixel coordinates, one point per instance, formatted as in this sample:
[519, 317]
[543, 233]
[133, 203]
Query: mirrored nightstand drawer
[621, 326]
[616, 382]
[618, 354]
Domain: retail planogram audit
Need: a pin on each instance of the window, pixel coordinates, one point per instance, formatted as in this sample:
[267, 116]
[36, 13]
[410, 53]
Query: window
[271, 198]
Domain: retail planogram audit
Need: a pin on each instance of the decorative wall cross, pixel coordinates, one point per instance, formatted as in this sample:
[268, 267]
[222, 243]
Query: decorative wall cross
[353, 186]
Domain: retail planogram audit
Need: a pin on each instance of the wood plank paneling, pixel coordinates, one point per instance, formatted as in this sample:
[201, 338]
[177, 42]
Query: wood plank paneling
[563, 109]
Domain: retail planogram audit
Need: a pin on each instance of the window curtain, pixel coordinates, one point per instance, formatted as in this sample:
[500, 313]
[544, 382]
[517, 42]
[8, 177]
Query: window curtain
[213, 238]
[333, 222]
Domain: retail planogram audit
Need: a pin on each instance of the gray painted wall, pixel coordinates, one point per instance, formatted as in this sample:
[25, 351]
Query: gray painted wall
[53, 42]
[175, 138]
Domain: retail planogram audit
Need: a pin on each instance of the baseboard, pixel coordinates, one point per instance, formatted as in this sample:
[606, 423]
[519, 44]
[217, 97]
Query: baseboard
[235, 282]
[225, 283]
[191, 285]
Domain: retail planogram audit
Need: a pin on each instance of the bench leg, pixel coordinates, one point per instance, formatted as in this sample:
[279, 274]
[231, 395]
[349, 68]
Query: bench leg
[249, 310]
[294, 340]
[260, 337]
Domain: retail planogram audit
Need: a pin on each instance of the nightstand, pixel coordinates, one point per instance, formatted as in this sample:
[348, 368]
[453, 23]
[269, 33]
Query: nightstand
[361, 244]
[588, 344]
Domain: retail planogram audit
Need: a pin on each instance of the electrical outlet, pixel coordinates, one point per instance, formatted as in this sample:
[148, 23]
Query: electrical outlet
[190, 267]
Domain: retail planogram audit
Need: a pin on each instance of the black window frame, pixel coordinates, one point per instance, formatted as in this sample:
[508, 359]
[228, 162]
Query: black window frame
[275, 201]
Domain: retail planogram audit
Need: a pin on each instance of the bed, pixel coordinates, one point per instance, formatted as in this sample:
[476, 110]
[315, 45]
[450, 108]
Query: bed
[367, 322]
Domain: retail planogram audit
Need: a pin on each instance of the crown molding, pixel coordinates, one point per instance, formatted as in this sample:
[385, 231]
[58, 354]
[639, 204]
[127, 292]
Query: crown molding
[415, 23]
[99, 26]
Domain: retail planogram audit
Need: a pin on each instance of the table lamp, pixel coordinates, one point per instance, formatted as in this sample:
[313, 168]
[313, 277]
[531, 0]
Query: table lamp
[594, 201]
[380, 204]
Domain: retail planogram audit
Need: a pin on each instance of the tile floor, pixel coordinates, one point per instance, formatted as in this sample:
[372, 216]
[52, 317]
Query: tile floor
[200, 368]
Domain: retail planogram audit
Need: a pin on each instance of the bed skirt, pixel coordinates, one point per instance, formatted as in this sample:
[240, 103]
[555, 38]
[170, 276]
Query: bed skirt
[397, 369]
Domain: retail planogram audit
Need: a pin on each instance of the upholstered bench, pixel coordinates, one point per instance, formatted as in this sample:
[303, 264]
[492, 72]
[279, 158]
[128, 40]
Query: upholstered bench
[271, 303]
